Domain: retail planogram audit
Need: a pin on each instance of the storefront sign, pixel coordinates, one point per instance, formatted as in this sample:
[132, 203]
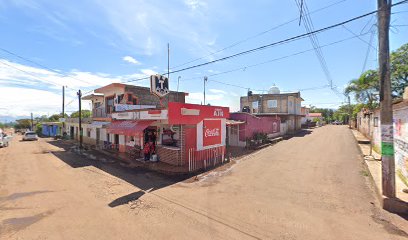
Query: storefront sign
[211, 132]
[123, 115]
[159, 85]
[183, 113]
[153, 114]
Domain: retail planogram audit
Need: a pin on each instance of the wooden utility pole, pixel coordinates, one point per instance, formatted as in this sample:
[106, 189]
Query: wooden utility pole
[80, 118]
[387, 137]
[63, 110]
[350, 111]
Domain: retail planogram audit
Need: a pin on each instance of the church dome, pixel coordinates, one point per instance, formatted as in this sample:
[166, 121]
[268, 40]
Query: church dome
[274, 90]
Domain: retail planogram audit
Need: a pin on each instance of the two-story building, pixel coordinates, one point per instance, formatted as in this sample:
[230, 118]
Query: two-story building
[127, 117]
[285, 105]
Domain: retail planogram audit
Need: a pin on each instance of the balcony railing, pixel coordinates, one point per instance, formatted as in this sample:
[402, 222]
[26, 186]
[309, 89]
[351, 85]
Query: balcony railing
[100, 113]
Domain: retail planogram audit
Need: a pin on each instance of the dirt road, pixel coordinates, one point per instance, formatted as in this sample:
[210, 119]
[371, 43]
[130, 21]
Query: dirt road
[309, 187]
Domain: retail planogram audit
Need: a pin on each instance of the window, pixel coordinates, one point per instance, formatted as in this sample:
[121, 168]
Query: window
[109, 104]
[88, 132]
[129, 97]
[272, 103]
[134, 101]
[255, 105]
[120, 98]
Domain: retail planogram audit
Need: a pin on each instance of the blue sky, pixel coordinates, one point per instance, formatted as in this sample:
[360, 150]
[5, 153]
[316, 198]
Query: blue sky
[92, 43]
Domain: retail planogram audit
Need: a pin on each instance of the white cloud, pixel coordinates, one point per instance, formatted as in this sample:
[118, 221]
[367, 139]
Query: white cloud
[130, 59]
[217, 91]
[195, 4]
[148, 72]
[39, 90]
[219, 98]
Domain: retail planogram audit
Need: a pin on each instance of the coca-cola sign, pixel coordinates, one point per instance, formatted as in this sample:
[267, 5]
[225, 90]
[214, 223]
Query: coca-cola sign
[211, 132]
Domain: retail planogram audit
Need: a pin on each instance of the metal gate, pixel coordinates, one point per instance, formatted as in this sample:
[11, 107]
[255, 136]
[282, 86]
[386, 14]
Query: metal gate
[204, 159]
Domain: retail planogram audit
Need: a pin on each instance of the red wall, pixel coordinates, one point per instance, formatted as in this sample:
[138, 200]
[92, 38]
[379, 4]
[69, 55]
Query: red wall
[254, 124]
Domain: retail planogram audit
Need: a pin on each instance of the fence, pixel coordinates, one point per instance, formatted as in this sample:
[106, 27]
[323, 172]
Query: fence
[204, 159]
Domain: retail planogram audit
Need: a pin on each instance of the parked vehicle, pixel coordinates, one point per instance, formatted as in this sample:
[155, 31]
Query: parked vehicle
[4, 140]
[30, 136]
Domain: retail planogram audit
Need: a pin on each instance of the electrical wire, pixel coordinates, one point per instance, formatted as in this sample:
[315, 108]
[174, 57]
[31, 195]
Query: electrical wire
[256, 35]
[244, 68]
[43, 66]
[263, 47]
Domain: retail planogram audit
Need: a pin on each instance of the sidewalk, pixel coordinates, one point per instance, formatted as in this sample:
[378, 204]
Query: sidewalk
[373, 163]
[154, 166]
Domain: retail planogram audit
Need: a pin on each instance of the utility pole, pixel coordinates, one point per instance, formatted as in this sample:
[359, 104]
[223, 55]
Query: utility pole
[168, 61]
[80, 120]
[205, 80]
[350, 111]
[387, 138]
[63, 110]
[178, 83]
[32, 122]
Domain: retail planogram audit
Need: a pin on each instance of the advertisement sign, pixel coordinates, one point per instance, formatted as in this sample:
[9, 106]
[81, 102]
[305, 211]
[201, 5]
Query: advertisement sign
[183, 113]
[159, 85]
[211, 132]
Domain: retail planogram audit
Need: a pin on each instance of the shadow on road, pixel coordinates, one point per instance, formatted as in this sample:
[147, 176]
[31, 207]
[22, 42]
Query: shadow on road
[301, 133]
[138, 177]
[125, 199]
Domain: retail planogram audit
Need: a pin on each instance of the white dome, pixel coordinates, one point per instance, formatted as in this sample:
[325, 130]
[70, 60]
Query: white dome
[274, 90]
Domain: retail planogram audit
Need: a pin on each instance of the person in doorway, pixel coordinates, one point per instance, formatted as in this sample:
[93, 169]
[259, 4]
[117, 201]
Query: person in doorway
[146, 151]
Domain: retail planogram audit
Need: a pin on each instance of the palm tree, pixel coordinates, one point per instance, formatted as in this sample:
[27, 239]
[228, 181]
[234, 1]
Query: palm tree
[365, 88]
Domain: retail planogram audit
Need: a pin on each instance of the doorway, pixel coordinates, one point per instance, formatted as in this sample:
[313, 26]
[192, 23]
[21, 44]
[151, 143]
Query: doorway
[98, 135]
[116, 141]
[71, 132]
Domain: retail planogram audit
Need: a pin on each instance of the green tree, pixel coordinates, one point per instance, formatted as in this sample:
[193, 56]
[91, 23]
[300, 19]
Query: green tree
[399, 70]
[23, 123]
[84, 114]
[365, 88]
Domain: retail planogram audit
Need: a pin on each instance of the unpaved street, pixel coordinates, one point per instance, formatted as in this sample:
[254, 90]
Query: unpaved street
[312, 186]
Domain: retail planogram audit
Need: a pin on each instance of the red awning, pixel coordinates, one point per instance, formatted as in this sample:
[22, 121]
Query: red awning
[128, 128]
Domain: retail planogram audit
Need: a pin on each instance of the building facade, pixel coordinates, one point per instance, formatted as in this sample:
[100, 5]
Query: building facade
[369, 124]
[285, 105]
[130, 119]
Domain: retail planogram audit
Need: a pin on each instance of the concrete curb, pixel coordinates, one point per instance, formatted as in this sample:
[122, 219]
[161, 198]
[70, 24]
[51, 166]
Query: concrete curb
[392, 205]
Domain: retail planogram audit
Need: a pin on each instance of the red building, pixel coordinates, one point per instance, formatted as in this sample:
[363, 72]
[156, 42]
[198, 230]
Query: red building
[240, 133]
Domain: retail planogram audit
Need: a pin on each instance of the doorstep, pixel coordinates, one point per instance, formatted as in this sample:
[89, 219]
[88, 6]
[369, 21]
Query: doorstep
[373, 163]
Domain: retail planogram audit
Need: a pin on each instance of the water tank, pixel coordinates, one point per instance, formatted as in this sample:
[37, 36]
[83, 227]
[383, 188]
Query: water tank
[274, 90]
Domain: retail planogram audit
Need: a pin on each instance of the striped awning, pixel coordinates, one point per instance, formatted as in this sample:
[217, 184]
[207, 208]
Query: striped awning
[128, 128]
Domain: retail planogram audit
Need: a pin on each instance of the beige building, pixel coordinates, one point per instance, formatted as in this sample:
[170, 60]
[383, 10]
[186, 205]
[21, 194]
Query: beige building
[285, 105]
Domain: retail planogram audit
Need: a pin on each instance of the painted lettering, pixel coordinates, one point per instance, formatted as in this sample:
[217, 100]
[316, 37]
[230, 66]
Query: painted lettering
[212, 132]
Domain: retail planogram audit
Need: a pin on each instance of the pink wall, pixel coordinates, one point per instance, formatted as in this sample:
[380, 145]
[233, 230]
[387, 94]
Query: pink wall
[254, 124]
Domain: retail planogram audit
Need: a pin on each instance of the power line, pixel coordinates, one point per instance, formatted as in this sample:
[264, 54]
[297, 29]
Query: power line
[256, 35]
[21, 70]
[308, 24]
[364, 41]
[43, 66]
[287, 40]
[243, 68]
[368, 52]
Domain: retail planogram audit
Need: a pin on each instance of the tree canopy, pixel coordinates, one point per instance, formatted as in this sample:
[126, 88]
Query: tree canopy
[366, 87]
[84, 114]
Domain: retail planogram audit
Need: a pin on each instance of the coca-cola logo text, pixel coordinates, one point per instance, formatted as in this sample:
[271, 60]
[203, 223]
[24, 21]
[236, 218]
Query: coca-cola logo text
[215, 132]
